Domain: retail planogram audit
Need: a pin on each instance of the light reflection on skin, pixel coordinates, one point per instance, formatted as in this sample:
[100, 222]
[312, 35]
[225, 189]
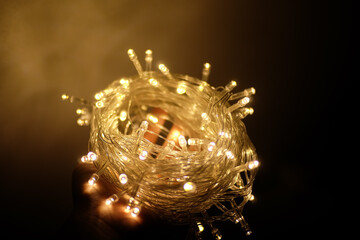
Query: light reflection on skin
[114, 213]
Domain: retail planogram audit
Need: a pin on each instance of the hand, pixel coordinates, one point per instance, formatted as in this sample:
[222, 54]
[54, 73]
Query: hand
[93, 219]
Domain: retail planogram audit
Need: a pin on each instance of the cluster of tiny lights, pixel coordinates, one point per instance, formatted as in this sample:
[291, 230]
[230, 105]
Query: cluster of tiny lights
[173, 144]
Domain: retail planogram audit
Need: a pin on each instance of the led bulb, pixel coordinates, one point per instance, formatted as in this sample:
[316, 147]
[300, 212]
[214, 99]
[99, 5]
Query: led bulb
[84, 159]
[143, 155]
[135, 211]
[99, 95]
[244, 101]
[165, 71]
[230, 86]
[93, 179]
[92, 156]
[189, 187]
[229, 154]
[250, 111]
[148, 55]
[245, 93]
[200, 227]
[123, 116]
[205, 116]
[181, 89]
[206, 72]
[79, 111]
[192, 141]
[211, 146]
[81, 122]
[135, 61]
[182, 142]
[144, 126]
[112, 199]
[124, 82]
[65, 97]
[148, 59]
[123, 178]
[251, 197]
[132, 54]
[152, 118]
[153, 82]
[241, 103]
[243, 112]
[216, 233]
[251, 91]
[202, 86]
[253, 164]
[163, 68]
[99, 104]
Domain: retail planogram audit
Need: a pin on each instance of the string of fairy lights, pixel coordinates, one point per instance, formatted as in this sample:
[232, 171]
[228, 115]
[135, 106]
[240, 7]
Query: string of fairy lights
[173, 144]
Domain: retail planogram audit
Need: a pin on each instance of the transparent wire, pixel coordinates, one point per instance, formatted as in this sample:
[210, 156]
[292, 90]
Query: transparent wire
[220, 175]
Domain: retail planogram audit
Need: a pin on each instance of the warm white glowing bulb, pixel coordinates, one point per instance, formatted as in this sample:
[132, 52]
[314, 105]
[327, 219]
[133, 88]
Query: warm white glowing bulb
[143, 126]
[65, 97]
[79, 111]
[99, 104]
[253, 164]
[230, 86]
[201, 87]
[194, 141]
[200, 227]
[252, 91]
[211, 146]
[205, 116]
[123, 115]
[148, 59]
[153, 82]
[124, 82]
[229, 154]
[93, 179]
[206, 72]
[165, 71]
[80, 122]
[123, 178]
[163, 68]
[92, 156]
[152, 118]
[112, 199]
[143, 155]
[131, 54]
[148, 53]
[182, 142]
[181, 89]
[251, 197]
[135, 211]
[244, 101]
[84, 159]
[98, 96]
[189, 187]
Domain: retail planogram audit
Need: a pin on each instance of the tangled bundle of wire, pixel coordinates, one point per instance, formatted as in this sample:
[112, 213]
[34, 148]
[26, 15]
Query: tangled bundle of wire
[174, 145]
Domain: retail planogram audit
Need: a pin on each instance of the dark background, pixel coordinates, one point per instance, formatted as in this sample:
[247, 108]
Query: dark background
[297, 54]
